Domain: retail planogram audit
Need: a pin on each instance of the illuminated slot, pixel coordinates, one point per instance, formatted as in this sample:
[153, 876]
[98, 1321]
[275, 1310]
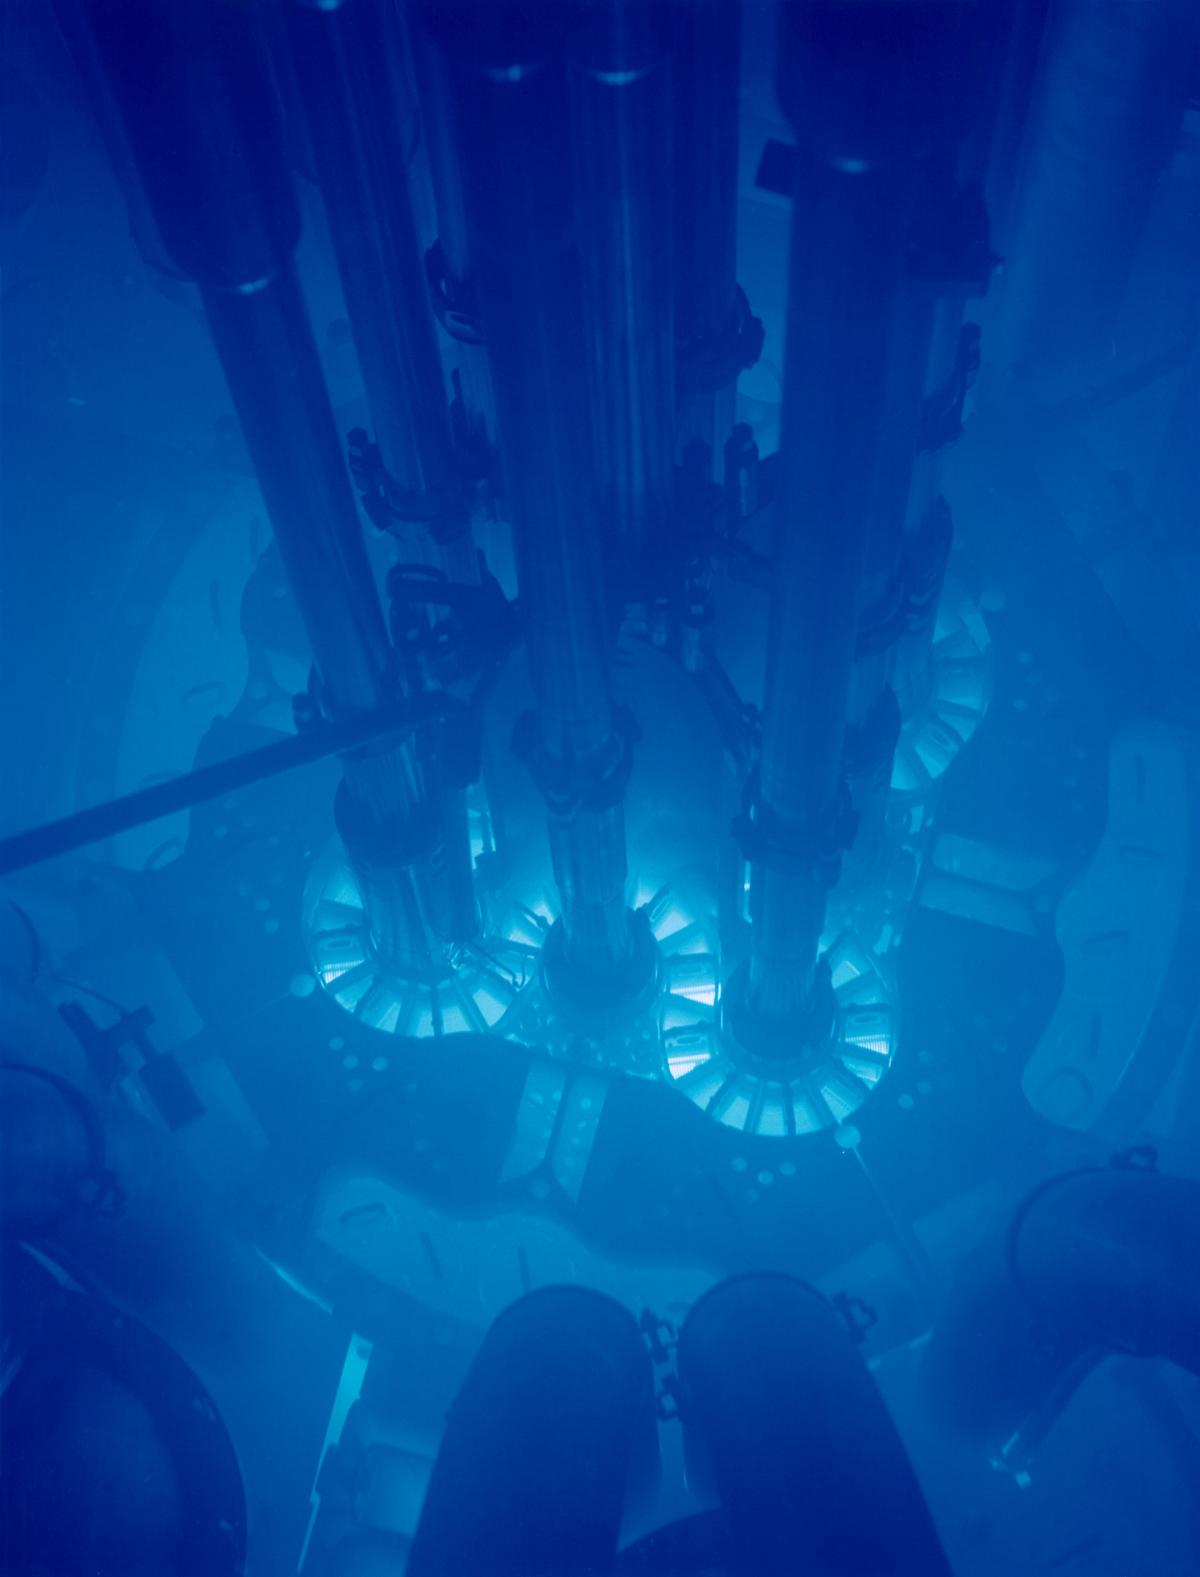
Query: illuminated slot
[773, 1114]
[840, 1099]
[490, 1005]
[686, 1058]
[733, 1110]
[870, 1072]
[844, 971]
[672, 923]
[693, 976]
[681, 1014]
[805, 1114]
[704, 1083]
[351, 987]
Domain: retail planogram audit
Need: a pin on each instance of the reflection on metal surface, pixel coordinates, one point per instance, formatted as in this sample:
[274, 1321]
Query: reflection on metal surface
[626, 1037]
[822, 1088]
[957, 694]
[465, 987]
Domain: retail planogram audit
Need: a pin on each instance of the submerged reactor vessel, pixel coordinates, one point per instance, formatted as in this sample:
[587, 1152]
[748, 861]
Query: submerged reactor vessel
[600, 877]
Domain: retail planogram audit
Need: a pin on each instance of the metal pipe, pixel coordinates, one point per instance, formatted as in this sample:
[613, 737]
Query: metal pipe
[856, 168]
[271, 365]
[782, 1419]
[194, 92]
[620, 111]
[450, 265]
[844, 278]
[706, 63]
[204, 784]
[353, 82]
[551, 1429]
[506, 74]
[1111, 95]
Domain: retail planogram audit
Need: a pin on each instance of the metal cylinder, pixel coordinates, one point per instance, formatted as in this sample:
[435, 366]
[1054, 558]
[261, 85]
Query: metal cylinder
[706, 65]
[553, 1426]
[194, 92]
[506, 74]
[783, 1421]
[353, 82]
[450, 265]
[858, 88]
[273, 370]
[844, 279]
[1111, 94]
[620, 112]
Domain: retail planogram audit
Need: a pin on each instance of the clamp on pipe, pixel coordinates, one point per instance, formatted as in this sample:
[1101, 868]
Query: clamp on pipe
[570, 786]
[814, 849]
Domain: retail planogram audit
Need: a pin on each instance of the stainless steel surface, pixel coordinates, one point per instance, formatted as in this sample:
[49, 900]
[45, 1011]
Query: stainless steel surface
[358, 97]
[620, 110]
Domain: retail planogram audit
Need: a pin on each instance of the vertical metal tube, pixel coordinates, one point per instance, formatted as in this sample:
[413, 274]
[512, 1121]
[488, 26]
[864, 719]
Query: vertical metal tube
[507, 78]
[845, 275]
[194, 93]
[273, 370]
[705, 79]
[351, 75]
[451, 264]
[855, 180]
[620, 110]
[1108, 106]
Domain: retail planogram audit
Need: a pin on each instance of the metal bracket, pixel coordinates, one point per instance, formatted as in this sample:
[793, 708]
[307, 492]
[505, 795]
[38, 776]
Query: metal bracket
[815, 850]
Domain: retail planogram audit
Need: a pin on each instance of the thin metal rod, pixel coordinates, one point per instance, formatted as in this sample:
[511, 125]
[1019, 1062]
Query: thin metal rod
[198, 787]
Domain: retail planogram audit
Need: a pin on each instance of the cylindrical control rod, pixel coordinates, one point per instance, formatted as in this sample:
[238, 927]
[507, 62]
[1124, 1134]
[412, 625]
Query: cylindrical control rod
[194, 93]
[705, 80]
[353, 82]
[1110, 97]
[506, 74]
[620, 109]
[851, 212]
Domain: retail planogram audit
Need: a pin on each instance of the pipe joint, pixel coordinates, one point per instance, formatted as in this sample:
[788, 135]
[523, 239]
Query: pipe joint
[573, 786]
[452, 298]
[942, 414]
[714, 361]
[812, 848]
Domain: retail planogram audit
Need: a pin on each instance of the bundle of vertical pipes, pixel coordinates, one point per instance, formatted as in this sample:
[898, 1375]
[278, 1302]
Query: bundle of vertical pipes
[614, 330]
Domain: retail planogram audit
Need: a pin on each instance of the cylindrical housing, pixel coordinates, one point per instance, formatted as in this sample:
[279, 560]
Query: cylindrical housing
[620, 113]
[195, 96]
[273, 370]
[706, 63]
[553, 1427]
[508, 80]
[845, 275]
[354, 84]
[864, 90]
[1106, 1260]
[506, 73]
[782, 1419]
[1111, 95]
[198, 105]
[194, 91]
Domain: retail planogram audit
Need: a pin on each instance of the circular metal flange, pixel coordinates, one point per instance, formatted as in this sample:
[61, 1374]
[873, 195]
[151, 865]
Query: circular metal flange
[625, 1036]
[468, 987]
[821, 1087]
[959, 692]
